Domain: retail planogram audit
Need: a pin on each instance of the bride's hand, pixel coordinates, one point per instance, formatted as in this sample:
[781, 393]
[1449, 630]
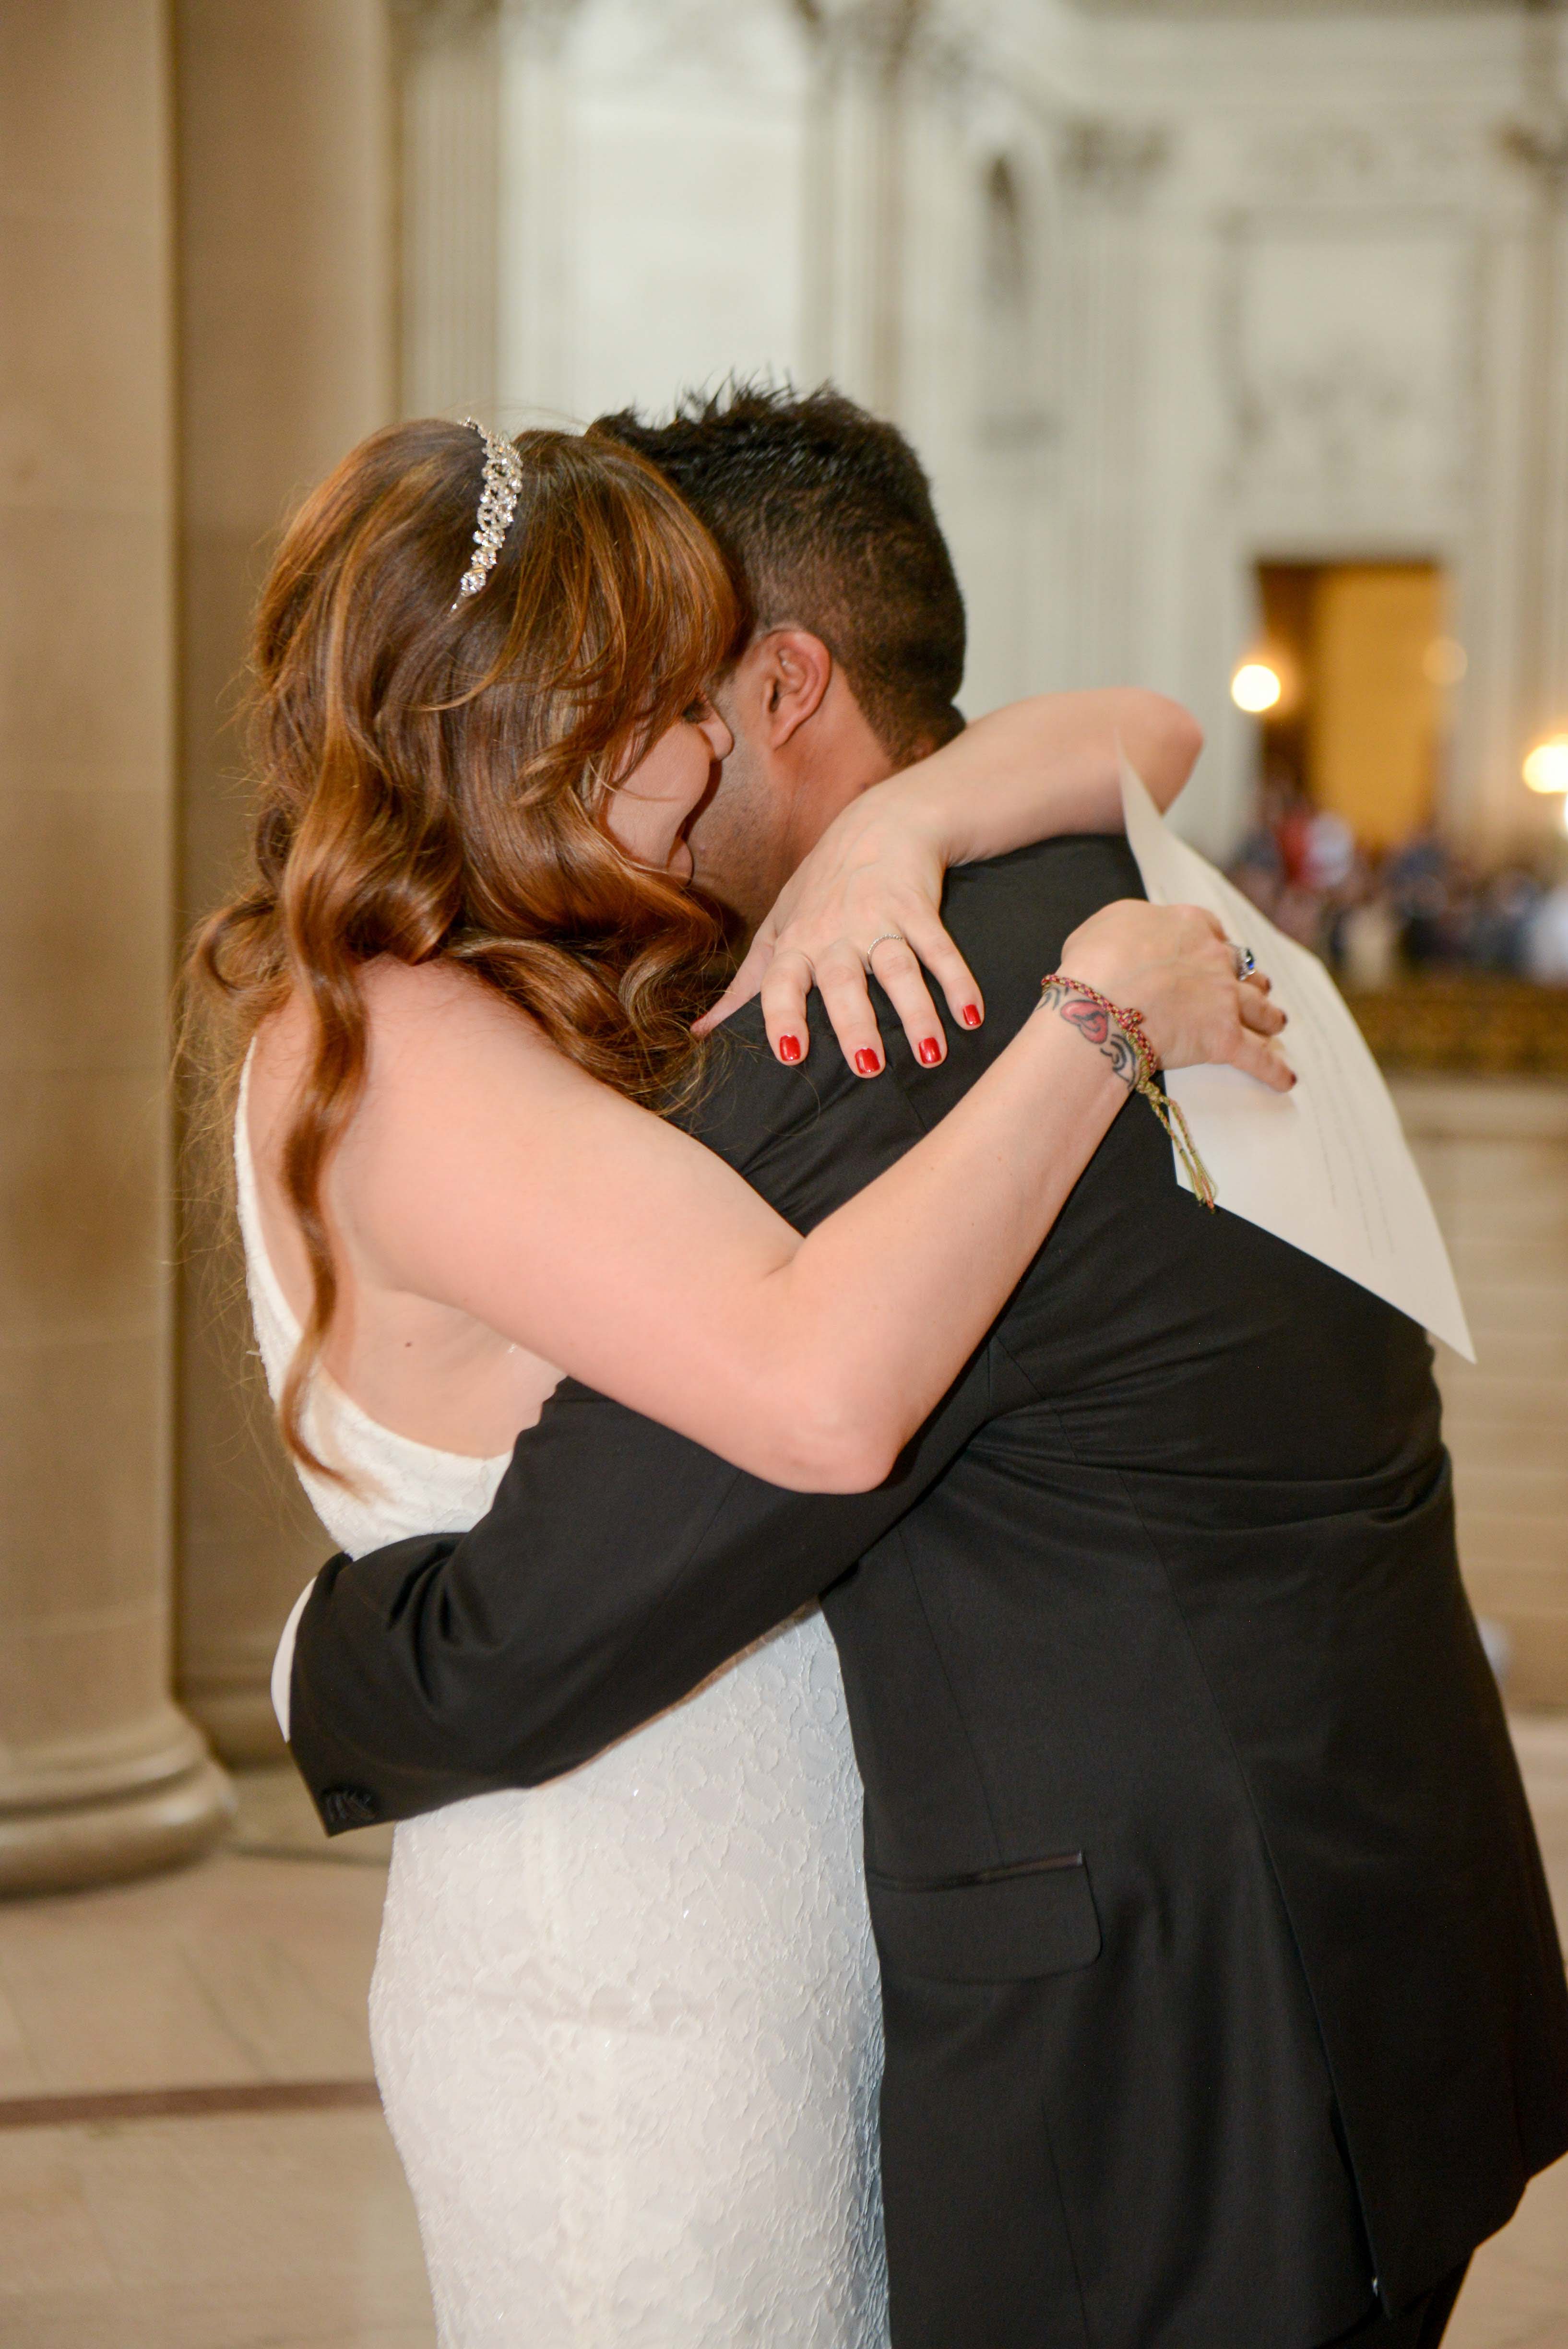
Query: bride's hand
[866, 898]
[1174, 964]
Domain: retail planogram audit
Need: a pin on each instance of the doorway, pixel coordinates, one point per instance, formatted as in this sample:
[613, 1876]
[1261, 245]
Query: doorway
[1364, 661]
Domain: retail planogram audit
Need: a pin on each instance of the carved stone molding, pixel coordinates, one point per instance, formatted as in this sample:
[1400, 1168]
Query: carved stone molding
[883, 32]
[1333, 395]
[424, 26]
[1339, 423]
[1543, 150]
[1115, 160]
[900, 42]
[1335, 160]
[547, 22]
[1539, 139]
[432, 22]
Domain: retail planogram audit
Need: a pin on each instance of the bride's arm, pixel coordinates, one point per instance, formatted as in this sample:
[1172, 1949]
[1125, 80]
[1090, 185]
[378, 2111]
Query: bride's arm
[488, 1174]
[1040, 767]
[1036, 768]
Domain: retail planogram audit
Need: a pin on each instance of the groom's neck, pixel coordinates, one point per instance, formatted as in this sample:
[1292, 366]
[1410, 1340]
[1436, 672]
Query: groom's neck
[823, 796]
[824, 768]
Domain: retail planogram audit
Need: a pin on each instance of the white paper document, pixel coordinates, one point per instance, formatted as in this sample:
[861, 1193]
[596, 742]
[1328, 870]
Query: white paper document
[1325, 1166]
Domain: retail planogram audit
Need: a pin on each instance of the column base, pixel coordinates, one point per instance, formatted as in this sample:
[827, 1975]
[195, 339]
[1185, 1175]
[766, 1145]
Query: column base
[68, 1846]
[238, 1722]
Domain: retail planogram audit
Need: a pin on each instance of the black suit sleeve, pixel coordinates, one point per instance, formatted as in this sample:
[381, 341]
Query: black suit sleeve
[619, 1564]
[619, 1567]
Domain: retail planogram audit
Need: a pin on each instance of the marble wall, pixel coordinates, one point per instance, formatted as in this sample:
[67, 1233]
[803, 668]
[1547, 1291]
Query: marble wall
[1156, 298]
[1355, 325]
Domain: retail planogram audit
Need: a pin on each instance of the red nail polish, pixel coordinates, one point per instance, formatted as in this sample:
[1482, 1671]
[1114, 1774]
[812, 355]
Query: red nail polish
[867, 1063]
[972, 1015]
[789, 1049]
[930, 1050]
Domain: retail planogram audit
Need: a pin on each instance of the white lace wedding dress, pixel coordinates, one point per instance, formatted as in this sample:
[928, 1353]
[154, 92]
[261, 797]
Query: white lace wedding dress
[626, 2025]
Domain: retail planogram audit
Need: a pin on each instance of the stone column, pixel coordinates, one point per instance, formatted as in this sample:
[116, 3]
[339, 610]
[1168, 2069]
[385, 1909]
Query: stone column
[1541, 145]
[866, 62]
[101, 1776]
[1108, 169]
[449, 148]
[1516, 618]
[286, 249]
[535, 324]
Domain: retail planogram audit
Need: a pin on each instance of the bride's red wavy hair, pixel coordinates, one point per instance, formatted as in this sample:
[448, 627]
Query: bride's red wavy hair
[433, 783]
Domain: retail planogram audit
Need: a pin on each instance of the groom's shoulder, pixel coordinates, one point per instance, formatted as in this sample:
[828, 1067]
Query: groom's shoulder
[1002, 912]
[1010, 919]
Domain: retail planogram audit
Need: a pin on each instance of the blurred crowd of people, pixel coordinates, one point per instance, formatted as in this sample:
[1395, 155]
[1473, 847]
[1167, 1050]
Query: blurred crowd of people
[1419, 908]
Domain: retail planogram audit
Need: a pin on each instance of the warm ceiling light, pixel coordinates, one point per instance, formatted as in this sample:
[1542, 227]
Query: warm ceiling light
[1256, 687]
[1445, 662]
[1546, 769]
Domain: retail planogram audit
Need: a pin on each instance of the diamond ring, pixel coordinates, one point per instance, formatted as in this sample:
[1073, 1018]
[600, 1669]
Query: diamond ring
[880, 940]
[1244, 959]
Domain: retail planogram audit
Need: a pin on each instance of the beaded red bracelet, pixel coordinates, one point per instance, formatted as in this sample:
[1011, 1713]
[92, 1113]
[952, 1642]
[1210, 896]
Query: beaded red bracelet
[1121, 1016]
[1129, 1025]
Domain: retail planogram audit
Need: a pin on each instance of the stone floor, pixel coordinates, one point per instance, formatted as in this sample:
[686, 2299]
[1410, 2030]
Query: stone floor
[1517, 2294]
[212, 2229]
[190, 2157]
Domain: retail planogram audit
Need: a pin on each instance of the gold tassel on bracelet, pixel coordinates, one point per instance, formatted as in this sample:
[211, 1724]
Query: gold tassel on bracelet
[1169, 1115]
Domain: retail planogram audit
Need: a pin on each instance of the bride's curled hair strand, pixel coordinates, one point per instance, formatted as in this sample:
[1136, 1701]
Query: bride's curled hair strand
[432, 783]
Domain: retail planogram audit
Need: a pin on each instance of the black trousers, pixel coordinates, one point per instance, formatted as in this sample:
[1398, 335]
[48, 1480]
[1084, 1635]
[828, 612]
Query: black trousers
[1421, 2327]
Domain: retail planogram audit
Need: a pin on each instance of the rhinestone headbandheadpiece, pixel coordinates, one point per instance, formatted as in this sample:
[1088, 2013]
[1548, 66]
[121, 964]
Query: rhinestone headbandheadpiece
[497, 504]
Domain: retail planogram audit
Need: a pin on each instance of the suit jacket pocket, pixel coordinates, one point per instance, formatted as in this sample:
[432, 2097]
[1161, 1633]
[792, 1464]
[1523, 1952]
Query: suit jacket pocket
[1001, 1924]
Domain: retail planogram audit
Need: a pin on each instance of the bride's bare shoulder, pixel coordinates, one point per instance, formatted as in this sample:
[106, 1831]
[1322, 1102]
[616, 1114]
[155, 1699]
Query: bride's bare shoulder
[429, 1025]
[420, 1006]
[438, 1035]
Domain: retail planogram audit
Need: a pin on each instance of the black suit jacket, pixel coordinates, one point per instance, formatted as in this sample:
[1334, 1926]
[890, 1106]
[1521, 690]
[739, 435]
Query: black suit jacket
[1219, 1969]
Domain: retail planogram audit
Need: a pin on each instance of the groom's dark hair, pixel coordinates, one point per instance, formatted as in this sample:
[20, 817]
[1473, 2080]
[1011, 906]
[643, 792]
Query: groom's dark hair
[825, 515]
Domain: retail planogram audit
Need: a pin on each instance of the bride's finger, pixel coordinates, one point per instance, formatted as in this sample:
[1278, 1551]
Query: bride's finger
[896, 970]
[847, 997]
[1257, 1012]
[786, 984]
[931, 943]
[1255, 1058]
[741, 988]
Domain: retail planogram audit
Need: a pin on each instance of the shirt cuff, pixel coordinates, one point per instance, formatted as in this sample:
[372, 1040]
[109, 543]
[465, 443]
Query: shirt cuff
[283, 1662]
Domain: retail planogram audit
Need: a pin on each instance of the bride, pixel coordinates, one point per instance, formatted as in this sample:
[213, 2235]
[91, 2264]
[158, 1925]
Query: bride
[626, 2024]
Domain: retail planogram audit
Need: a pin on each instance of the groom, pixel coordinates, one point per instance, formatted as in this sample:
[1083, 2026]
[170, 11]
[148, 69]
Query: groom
[1224, 2008]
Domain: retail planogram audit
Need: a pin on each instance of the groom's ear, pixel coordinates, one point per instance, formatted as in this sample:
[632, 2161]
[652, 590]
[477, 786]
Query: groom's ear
[793, 672]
